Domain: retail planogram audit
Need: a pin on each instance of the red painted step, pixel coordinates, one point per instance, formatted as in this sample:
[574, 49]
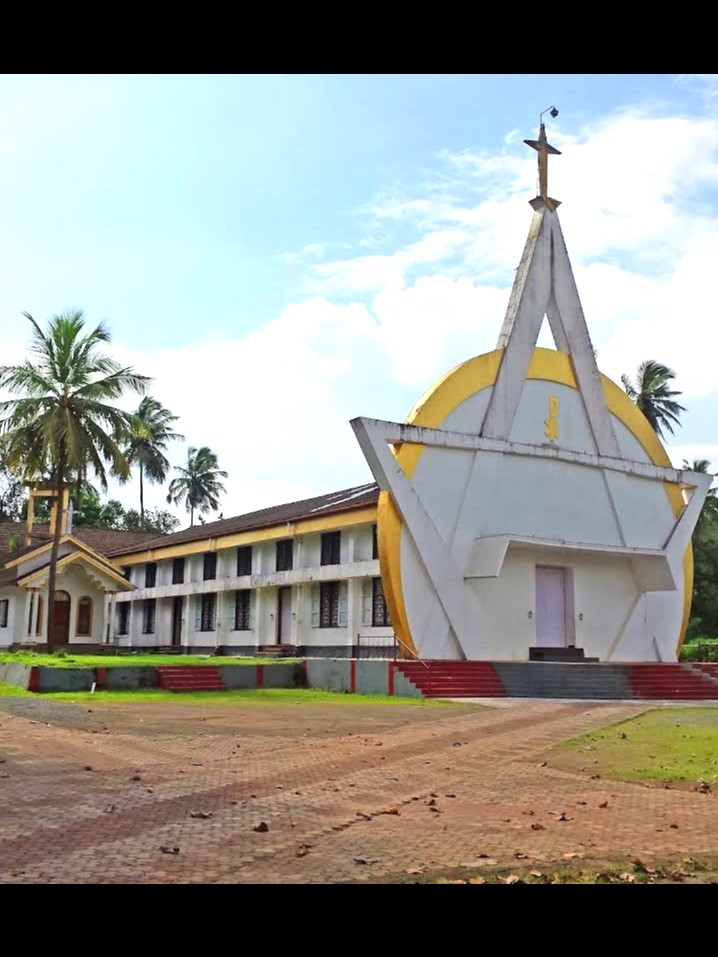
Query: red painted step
[453, 679]
[670, 681]
[191, 678]
[708, 668]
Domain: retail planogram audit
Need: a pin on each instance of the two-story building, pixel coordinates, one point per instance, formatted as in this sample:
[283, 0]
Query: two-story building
[303, 575]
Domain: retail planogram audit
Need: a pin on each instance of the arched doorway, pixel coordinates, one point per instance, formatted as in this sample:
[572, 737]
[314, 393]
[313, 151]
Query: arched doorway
[60, 634]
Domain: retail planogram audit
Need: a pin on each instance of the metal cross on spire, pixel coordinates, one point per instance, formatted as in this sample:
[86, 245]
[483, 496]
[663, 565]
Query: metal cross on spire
[544, 150]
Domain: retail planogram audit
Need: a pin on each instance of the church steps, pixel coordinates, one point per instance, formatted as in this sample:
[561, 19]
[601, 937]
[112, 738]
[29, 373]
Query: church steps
[191, 678]
[602, 682]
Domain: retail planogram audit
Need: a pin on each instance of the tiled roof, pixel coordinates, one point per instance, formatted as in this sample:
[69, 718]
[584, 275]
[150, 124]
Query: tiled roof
[332, 504]
[102, 540]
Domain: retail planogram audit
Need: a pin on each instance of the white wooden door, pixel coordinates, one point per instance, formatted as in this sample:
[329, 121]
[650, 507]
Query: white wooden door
[285, 616]
[551, 607]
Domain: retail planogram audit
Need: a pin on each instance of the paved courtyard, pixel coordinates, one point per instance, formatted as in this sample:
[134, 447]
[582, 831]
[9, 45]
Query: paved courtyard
[197, 792]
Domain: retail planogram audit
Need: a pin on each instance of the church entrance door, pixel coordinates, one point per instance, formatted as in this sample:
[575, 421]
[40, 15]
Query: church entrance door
[551, 631]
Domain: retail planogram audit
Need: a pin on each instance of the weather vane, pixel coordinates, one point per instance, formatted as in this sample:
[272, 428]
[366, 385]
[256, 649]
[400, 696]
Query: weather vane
[544, 150]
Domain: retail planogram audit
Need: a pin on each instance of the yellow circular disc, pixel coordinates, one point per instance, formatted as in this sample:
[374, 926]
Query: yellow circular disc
[445, 397]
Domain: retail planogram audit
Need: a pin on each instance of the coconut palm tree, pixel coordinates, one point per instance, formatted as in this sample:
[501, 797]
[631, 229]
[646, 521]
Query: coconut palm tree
[704, 467]
[63, 421]
[652, 394]
[151, 431]
[198, 484]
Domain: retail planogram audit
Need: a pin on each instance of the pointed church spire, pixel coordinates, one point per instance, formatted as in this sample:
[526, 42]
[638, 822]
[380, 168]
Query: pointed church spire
[544, 150]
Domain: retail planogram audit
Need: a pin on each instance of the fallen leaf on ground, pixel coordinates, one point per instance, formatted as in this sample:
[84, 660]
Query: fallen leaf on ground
[521, 857]
[261, 828]
[512, 879]
[537, 827]
[169, 850]
[564, 817]
[544, 764]
[110, 808]
[628, 878]
[477, 880]
[414, 870]
[135, 777]
[570, 857]
[390, 810]
[603, 805]
[201, 815]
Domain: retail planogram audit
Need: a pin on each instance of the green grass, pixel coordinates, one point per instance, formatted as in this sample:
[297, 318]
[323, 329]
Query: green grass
[671, 744]
[681, 871]
[124, 661]
[253, 696]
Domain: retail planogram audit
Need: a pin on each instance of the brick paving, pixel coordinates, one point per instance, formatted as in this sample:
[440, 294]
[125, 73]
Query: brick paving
[92, 795]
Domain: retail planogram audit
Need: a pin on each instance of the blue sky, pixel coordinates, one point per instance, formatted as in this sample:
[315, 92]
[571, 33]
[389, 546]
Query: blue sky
[285, 251]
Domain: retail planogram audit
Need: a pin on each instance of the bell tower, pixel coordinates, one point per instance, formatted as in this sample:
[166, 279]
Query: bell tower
[45, 490]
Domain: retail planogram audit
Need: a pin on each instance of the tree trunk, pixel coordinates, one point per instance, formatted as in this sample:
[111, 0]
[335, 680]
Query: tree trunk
[53, 642]
[142, 498]
[191, 516]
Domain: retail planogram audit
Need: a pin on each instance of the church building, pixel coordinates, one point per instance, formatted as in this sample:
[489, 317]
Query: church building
[526, 510]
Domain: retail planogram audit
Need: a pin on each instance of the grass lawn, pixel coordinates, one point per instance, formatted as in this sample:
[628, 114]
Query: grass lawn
[682, 871]
[250, 696]
[124, 661]
[671, 744]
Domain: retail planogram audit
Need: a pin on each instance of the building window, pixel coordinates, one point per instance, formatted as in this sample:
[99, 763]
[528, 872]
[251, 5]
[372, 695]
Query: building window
[206, 612]
[178, 571]
[329, 605]
[84, 617]
[4, 611]
[123, 618]
[331, 548]
[150, 575]
[242, 605]
[210, 567]
[380, 617]
[244, 561]
[374, 543]
[149, 609]
[285, 555]
[40, 615]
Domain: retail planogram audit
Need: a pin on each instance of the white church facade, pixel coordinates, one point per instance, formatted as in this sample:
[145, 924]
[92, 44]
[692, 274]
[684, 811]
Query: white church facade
[525, 510]
[528, 509]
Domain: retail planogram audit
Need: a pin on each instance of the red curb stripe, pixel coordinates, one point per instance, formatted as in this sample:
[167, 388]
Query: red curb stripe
[260, 676]
[352, 677]
[101, 677]
[390, 688]
[33, 681]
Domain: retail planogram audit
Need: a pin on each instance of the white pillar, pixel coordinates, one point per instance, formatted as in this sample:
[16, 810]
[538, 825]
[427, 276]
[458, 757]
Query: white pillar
[30, 613]
[218, 622]
[36, 613]
[354, 597]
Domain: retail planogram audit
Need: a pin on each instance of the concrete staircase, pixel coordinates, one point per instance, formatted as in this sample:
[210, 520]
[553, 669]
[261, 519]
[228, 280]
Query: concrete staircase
[577, 681]
[453, 679]
[670, 682]
[191, 678]
[563, 680]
